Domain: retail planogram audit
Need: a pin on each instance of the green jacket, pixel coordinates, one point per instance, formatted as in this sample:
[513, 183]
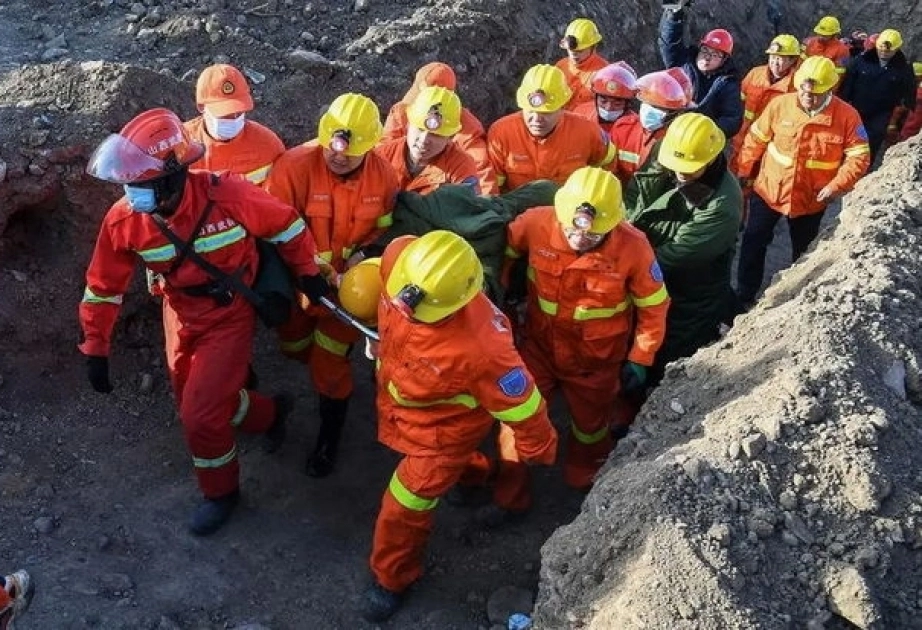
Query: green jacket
[480, 220]
[693, 230]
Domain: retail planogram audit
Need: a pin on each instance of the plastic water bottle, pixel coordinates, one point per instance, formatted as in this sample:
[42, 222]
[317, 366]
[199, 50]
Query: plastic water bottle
[519, 621]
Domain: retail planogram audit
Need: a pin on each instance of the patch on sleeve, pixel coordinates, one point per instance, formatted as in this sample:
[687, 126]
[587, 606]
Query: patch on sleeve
[514, 382]
[655, 272]
[862, 132]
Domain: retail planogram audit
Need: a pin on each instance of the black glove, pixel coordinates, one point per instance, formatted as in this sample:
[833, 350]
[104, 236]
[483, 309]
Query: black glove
[97, 369]
[633, 378]
[314, 287]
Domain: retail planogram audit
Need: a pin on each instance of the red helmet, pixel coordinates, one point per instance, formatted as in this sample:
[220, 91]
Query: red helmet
[718, 39]
[871, 42]
[660, 89]
[152, 145]
[614, 80]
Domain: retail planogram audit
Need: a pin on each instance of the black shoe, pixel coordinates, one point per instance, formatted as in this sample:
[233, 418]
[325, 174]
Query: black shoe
[211, 514]
[379, 604]
[322, 460]
[275, 435]
[494, 517]
[468, 496]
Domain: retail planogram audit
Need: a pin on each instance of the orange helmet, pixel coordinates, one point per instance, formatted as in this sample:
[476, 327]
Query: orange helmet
[718, 39]
[660, 89]
[684, 80]
[615, 80]
[152, 145]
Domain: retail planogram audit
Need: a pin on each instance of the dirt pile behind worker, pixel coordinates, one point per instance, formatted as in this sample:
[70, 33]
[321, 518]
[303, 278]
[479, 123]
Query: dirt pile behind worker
[770, 482]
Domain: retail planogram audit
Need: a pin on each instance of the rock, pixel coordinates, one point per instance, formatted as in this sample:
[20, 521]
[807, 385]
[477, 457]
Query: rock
[733, 450]
[147, 383]
[850, 598]
[54, 53]
[895, 378]
[761, 528]
[770, 427]
[507, 601]
[753, 445]
[867, 558]
[796, 526]
[788, 500]
[694, 467]
[44, 524]
[116, 582]
[56, 42]
[309, 61]
[720, 532]
[360, 6]
[676, 406]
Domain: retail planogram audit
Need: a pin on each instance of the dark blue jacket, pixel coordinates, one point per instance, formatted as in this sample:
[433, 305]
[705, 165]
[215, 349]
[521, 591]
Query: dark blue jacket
[875, 90]
[717, 95]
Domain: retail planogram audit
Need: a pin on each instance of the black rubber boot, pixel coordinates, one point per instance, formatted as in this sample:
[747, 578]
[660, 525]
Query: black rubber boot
[379, 604]
[322, 459]
[275, 435]
[211, 514]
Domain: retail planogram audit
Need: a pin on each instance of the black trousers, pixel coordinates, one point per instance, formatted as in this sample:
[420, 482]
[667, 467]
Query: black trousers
[760, 228]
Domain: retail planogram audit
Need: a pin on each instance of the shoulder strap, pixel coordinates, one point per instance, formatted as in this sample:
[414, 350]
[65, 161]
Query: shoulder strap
[183, 247]
[232, 280]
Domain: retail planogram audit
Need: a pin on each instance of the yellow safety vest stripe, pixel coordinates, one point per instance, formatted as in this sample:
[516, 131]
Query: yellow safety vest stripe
[297, 345]
[589, 438]
[407, 499]
[259, 175]
[465, 400]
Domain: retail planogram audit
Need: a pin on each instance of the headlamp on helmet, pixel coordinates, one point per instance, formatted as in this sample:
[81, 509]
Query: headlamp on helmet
[584, 216]
[408, 299]
[340, 140]
[433, 119]
[537, 98]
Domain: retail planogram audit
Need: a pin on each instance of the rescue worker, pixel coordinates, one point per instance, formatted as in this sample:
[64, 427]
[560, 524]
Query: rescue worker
[232, 141]
[692, 227]
[346, 193]
[426, 157]
[662, 98]
[580, 40]
[763, 83]
[543, 141]
[804, 151]
[16, 592]
[614, 88]
[710, 67]
[879, 82]
[913, 122]
[208, 325]
[595, 317]
[825, 42]
[471, 138]
[447, 371]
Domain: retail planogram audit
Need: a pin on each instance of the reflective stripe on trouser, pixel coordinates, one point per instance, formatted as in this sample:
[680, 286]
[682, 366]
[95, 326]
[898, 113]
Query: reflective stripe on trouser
[323, 342]
[405, 520]
[208, 367]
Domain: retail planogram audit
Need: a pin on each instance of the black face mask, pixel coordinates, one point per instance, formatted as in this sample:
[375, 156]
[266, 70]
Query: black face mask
[169, 189]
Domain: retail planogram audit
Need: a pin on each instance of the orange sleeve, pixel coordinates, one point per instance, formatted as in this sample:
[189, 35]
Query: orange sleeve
[286, 181]
[857, 151]
[651, 301]
[395, 126]
[757, 138]
[603, 150]
[497, 149]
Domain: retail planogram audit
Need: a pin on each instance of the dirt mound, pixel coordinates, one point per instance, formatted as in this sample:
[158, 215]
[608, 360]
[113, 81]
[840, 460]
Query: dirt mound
[772, 480]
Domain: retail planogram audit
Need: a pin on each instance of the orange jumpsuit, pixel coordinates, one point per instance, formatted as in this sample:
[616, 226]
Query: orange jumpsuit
[472, 139]
[585, 315]
[208, 346]
[816, 46]
[342, 213]
[441, 388]
[757, 90]
[451, 166]
[624, 132]
[519, 157]
[796, 155]
[251, 153]
[579, 77]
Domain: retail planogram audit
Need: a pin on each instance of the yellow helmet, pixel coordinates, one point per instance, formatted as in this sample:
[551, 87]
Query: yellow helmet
[437, 110]
[590, 200]
[827, 26]
[544, 89]
[784, 45]
[581, 33]
[889, 39]
[435, 276]
[360, 290]
[352, 125]
[691, 142]
[816, 74]
[917, 68]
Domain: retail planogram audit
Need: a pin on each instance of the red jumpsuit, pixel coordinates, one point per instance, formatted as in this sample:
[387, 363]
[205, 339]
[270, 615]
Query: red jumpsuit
[519, 157]
[451, 166]
[251, 153]
[441, 388]
[578, 326]
[625, 133]
[579, 77]
[208, 346]
[913, 122]
[342, 213]
[472, 139]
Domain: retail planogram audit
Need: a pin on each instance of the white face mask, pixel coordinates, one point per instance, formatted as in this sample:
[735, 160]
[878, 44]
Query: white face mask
[224, 128]
[609, 115]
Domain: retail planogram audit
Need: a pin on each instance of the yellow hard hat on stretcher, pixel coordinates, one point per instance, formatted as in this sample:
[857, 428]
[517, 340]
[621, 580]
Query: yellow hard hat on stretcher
[360, 290]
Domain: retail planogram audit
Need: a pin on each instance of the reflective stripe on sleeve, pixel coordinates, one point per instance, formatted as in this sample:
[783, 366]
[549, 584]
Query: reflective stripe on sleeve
[754, 130]
[861, 149]
[259, 175]
[158, 254]
[385, 220]
[589, 438]
[292, 231]
[628, 156]
[654, 299]
[297, 345]
[331, 345]
[522, 411]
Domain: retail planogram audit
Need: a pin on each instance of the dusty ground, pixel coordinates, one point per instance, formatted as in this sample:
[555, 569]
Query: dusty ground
[95, 490]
